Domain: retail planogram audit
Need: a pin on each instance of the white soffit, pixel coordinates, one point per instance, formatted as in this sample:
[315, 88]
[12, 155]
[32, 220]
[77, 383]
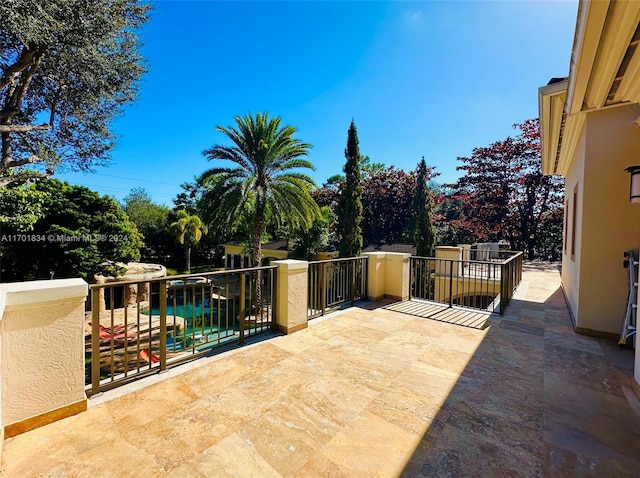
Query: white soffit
[603, 40]
[551, 101]
[604, 72]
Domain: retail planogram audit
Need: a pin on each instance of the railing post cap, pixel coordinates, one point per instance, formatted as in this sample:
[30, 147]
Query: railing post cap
[291, 265]
[377, 254]
[449, 248]
[397, 256]
[31, 292]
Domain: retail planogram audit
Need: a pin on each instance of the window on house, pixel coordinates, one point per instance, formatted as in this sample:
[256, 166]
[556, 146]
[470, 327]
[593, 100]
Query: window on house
[566, 225]
[574, 222]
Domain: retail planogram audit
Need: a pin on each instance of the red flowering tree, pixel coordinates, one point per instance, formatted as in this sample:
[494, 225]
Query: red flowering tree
[387, 197]
[504, 195]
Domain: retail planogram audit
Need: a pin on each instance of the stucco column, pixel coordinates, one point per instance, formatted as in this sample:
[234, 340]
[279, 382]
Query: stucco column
[466, 251]
[466, 255]
[396, 273]
[448, 252]
[375, 275]
[42, 361]
[292, 285]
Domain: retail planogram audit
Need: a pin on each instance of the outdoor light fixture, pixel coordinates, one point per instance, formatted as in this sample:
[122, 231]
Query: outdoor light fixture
[634, 190]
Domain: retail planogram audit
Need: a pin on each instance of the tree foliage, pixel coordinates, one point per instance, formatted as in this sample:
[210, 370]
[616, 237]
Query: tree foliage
[20, 207]
[72, 64]
[349, 208]
[387, 203]
[307, 243]
[190, 196]
[78, 230]
[504, 195]
[141, 209]
[449, 219]
[425, 233]
[265, 182]
[387, 196]
[152, 221]
[188, 231]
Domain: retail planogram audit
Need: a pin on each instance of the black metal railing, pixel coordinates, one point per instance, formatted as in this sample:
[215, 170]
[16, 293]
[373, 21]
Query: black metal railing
[335, 282]
[142, 327]
[486, 285]
[510, 278]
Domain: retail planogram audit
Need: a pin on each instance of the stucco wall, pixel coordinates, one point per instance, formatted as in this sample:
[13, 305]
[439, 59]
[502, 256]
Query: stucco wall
[571, 265]
[463, 287]
[376, 273]
[292, 295]
[42, 331]
[396, 278]
[610, 223]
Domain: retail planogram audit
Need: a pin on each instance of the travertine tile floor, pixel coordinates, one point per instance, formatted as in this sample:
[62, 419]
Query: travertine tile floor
[369, 392]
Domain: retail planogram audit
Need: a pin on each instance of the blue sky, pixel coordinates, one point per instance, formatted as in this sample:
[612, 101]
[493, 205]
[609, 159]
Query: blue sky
[432, 79]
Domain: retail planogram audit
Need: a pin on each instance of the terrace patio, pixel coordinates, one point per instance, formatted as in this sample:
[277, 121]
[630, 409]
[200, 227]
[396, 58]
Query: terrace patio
[369, 391]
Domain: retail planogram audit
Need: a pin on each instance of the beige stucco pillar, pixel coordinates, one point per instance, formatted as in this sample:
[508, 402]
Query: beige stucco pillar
[446, 270]
[376, 272]
[466, 251]
[42, 352]
[396, 273]
[292, 285]
[448, 252]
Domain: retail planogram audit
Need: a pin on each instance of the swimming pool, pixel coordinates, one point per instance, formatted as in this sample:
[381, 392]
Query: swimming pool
[202, 324]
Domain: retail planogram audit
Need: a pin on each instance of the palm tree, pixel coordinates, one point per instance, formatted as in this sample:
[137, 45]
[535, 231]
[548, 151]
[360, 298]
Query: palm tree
[188, 231]
[263, 181]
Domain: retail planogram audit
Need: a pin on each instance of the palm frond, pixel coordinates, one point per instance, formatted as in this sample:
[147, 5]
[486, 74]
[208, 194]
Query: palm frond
[266, 181]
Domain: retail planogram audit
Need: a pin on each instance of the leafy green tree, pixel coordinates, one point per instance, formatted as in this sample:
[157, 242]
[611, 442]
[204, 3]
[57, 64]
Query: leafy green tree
[72, 63]
[78, 230]
[308, 242]
[143, 211]
[367, 166]
[387, 203]
[189, 198]
[152, 221]
[188, 231]
[425, 232]
[20, 207]
[264, 183]
[349, 210]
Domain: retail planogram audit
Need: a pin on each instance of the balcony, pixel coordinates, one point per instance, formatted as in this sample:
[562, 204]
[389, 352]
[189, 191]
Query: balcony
[369, 391]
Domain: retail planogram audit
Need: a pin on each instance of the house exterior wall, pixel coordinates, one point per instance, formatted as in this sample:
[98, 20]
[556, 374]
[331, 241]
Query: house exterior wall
[571, 262]
[607, 223]
[237, 258]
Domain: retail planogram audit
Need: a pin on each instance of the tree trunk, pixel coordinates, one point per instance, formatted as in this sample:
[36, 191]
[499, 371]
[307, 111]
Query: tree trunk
[530, 250]
[188, 250]
[257, 259]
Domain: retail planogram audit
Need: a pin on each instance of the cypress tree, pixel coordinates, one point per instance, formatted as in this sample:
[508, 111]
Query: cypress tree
[425, 232]
[350, 203]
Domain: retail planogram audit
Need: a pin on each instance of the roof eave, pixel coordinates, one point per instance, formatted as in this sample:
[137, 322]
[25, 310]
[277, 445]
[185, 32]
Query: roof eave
[551, 103]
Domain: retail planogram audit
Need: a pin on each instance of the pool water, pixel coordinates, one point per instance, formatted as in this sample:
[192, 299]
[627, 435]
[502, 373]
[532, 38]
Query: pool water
[189, 311]
[194, 314]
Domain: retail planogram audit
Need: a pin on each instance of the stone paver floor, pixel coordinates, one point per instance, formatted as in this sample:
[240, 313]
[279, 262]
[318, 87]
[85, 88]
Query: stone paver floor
[369, 392]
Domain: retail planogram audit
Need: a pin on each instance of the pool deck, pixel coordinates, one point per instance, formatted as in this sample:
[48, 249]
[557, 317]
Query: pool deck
[369, 391]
